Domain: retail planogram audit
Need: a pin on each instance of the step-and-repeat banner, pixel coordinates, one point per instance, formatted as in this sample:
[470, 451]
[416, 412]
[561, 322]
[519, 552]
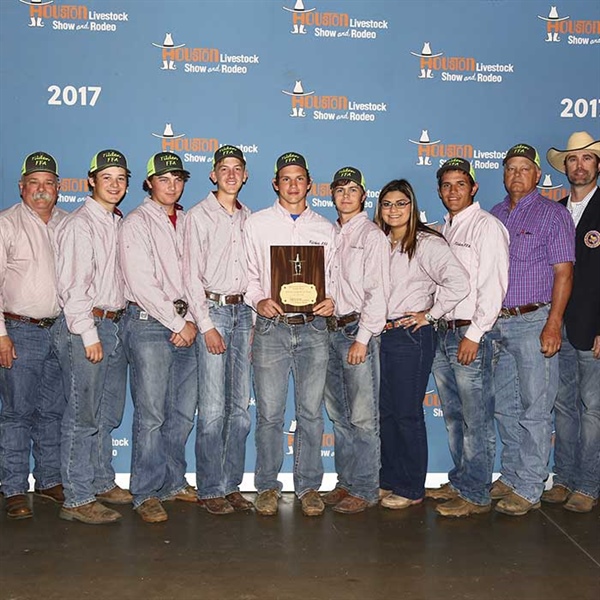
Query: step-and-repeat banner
[392, 87]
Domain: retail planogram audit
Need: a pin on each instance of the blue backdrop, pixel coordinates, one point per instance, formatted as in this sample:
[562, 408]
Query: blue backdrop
[392, 87]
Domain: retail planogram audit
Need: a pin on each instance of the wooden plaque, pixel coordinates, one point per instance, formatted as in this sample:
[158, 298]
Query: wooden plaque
[297, 277]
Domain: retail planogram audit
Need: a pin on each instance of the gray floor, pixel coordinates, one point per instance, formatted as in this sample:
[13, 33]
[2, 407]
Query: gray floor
[409, 555]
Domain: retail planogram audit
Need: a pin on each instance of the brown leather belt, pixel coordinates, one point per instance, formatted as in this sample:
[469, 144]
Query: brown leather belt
[393, 324]
[335, 323]
[296, 319]
[453, 325]
[223, 299]
[514, 311]
[113, 315]
[44, 322]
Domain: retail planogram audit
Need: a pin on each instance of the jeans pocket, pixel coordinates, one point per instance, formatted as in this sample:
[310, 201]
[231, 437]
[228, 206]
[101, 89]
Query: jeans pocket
[350, 331]
[263, 325]
[319, 324]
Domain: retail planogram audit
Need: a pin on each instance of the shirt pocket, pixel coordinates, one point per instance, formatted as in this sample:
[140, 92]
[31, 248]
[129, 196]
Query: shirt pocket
[527, 246]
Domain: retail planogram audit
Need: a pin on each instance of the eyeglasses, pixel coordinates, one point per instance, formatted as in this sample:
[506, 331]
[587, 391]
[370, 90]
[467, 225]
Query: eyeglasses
[400, 204]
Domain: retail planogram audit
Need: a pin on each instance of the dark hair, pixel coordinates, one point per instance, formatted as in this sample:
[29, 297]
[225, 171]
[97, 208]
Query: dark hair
[278, 172]
[185, 176]
[343, 182]
[439, 179]
[409, 241]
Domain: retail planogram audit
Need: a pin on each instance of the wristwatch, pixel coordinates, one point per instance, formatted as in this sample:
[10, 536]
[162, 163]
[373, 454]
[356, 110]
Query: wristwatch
[431, 320]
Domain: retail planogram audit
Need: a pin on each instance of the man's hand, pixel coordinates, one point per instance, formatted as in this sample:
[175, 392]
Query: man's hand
[596, 347]
[269, 308]
[357, 353]
[467, 351]
[550, 339]
[94, 353]
[185, 338]
[214, 342]
[324, 308]
[7, 352]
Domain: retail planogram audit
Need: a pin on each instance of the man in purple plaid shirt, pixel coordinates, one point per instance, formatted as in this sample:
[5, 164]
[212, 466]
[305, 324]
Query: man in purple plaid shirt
[542, 252]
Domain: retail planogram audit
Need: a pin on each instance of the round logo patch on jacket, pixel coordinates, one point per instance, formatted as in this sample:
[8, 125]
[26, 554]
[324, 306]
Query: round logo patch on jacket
[592, 239]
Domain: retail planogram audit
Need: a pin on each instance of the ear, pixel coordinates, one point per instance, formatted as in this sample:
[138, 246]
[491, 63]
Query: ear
[474, 190]
[539, 174]
[212, 176]
[90, 183]
[275, 186]
[148, 183]
[245, 176]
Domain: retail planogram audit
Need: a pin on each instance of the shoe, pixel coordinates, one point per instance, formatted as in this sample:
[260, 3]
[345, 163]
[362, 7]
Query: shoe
[266, 503]
[187, 494]
[384, 493]
[152, 511]
[459, 507]
[312, 505]
[115, 496]
[351, 505]
[515, 506]
[499, 490]
[92, 513]
[54, 493]
[444, 492]
[17, 507]
[335, 496]
[580, 503]
[216, 506]
[557, 494]
[238, 502]
[398, 502]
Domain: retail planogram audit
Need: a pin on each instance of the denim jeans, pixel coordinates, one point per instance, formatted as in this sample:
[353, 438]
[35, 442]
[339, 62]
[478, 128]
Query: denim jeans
[33, 402]
[278, 350]
[577, 421]
[467, 399]
[95, 404]
[224, 395]
[352, 403]
[406, 359]
[525, 383]
[164, 389]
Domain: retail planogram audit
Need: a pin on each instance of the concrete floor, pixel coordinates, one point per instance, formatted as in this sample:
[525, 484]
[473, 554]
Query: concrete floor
[410, 555]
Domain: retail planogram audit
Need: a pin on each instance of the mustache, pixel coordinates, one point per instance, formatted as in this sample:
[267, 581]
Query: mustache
[42, 196]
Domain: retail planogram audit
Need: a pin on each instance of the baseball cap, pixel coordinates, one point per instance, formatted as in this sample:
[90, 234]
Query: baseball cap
[108, 158]
[228, 152]
[164, 162]
[457, 164]
[39, 161]
[351, 174]
[524, 151]
[290, 159]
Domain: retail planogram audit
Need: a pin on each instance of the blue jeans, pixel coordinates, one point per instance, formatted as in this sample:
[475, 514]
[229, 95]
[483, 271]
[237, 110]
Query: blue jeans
[352, 403]
[33, 402]
[224, 395]
[95, 404]
[406, 359]
[467, 399]
[164, 389]
[278, 350]
[525, 383]
[577, 421]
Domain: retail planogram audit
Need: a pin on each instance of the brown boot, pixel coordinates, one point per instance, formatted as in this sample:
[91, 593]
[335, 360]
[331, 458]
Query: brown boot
[216, 506]
[335, 496]
[152, 511]
[116, 495]
[54, 493]
[312, 505]
[92, 513]
[557, 494]
[17, 507]
[580, 503]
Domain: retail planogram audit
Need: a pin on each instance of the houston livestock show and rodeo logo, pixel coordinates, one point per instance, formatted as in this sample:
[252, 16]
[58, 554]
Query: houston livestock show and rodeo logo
[575, 31]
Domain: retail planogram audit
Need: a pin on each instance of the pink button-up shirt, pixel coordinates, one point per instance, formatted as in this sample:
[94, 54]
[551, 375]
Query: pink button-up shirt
[150, 253]
[414, 282]
[480, 242]
[214, 258]
[87, 268]
[27, 267]
[360, 274]
[275, 227]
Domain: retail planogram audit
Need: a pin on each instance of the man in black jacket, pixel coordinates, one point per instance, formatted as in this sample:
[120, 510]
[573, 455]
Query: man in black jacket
[577, 408]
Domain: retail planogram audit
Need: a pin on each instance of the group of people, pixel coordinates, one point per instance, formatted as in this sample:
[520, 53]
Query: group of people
[502, 308]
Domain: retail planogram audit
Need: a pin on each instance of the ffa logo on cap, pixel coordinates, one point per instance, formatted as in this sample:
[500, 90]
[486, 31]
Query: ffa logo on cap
[592, 239]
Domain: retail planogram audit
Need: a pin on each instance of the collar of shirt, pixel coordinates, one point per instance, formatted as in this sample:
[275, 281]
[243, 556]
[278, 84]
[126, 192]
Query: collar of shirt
[463, 215]
[214, 205]
[32, 214]
[581, 205]
[159, 208]
[355, 221]
[97, 209]
[305, 214]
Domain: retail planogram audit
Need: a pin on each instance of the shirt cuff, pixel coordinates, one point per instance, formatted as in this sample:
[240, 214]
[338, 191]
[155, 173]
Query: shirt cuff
[3, 328]
[177, 324]
[474, 333]
[363, 336]
[206, 325]
[90, 337]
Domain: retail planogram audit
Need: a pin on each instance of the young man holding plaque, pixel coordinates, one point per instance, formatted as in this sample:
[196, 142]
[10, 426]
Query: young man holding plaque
[360, 275]
[291, 332]
[216, 276]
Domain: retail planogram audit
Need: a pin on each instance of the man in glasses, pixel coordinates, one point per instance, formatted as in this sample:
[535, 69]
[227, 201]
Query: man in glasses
[159, 337]
[462, 367]
[360, 285]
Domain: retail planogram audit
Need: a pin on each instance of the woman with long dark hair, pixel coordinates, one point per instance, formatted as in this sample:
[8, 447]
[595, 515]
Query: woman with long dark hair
[427, 281]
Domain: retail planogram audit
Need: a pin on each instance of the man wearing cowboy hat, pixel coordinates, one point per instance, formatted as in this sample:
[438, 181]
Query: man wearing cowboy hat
[577, 408]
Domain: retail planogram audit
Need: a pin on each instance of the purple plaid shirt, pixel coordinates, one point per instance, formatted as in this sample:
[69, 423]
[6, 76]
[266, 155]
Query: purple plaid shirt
[542, 234]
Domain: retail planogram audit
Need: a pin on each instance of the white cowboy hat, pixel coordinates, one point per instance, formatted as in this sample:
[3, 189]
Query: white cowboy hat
[580, 140]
